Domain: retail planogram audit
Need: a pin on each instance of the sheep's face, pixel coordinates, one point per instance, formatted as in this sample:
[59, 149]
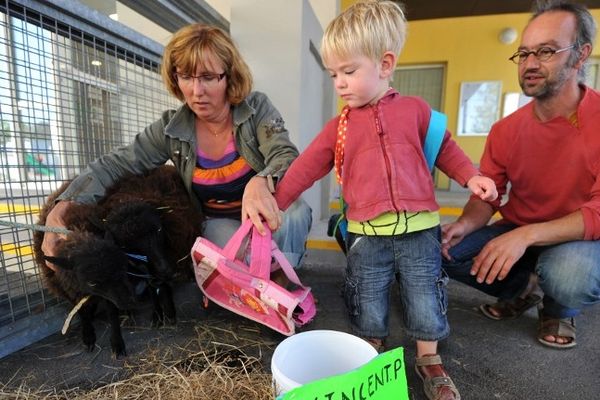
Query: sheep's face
[107, 278]
[137, 228]
[100, 267]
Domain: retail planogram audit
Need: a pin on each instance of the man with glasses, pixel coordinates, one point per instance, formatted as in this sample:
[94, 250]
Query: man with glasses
[548, 152]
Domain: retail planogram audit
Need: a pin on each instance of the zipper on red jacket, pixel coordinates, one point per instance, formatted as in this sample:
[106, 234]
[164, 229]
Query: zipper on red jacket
[385, 155]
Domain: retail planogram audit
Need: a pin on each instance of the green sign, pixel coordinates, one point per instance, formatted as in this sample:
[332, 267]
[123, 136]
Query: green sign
[383, 378]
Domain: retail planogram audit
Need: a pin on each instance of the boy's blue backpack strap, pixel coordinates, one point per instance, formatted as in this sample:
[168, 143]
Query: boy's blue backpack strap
[434, 137]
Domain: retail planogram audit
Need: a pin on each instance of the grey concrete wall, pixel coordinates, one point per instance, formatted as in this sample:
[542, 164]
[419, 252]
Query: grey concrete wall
[278, 39]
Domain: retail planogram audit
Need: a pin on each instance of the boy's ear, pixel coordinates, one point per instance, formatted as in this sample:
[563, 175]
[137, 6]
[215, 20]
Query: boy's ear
[388, 64]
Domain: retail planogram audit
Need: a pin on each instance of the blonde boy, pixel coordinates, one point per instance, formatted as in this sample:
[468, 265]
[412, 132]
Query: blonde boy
[376, 148]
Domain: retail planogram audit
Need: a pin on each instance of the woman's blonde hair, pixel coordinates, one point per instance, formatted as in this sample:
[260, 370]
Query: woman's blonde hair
[187, 50]
[368, 28]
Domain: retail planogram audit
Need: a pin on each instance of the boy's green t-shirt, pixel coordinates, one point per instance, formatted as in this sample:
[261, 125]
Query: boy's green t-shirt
[395, 223]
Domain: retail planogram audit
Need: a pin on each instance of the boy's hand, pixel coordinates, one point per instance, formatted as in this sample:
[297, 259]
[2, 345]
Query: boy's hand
[483, 187]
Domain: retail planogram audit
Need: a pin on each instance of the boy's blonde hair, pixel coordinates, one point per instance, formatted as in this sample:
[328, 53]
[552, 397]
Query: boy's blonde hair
[187, 50]
[369, 28]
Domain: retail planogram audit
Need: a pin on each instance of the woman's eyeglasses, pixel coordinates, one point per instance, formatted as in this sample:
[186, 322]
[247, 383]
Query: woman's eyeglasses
[207, 80]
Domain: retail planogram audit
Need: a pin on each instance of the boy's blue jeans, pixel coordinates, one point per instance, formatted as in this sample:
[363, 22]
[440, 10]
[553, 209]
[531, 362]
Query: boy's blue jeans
[568, 273]
[290, 237]
[374, 261]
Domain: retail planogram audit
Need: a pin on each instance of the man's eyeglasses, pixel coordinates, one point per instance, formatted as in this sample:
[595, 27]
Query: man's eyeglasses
[207, 80]
[542, 54]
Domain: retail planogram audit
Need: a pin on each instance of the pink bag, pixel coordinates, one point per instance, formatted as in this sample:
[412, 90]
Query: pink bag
[248, 290]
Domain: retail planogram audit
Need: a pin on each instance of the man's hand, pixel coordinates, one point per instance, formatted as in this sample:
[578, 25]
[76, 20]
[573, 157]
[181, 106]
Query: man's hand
[452, 234]
[483, 187]
[258, 203]
[499, 255]
[55, 219]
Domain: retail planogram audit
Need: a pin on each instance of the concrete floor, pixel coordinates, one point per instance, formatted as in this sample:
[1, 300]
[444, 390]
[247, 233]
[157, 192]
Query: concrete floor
[487, 359]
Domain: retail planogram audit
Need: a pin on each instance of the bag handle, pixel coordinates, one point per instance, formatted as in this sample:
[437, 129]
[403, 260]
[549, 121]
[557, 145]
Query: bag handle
[258, 268]
[235, 242]
[260, 248]
[285, 265]
[260, 253]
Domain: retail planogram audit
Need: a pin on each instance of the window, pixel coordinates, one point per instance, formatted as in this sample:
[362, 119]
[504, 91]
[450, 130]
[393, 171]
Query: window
[426, 81]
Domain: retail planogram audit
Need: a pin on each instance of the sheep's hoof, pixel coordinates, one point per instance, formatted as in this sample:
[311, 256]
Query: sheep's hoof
[157, 320]
[119, 352]
[161, 319]
[117, 346]
[170, 321]
[89, 341]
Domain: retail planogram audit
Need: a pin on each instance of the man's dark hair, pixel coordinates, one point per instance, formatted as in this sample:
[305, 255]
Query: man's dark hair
[586, 25]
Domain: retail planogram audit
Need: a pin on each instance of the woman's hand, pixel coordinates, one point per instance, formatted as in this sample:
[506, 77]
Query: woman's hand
[55, 219]
[258, 204]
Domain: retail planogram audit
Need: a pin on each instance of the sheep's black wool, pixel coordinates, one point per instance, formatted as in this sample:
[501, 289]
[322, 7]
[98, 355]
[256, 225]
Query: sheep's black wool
[144, 223]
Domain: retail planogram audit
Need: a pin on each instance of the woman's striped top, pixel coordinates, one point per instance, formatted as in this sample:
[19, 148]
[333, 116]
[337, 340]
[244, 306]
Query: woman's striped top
[219, 184]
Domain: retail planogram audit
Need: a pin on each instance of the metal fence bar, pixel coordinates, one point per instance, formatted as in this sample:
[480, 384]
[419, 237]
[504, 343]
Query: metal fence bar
[70, 91]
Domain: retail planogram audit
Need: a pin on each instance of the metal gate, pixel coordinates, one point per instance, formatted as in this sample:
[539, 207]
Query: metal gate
[73, 85]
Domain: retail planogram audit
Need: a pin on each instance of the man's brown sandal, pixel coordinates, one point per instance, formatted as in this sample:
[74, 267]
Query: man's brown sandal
[434, 386]
[509, 309]
[557, 327]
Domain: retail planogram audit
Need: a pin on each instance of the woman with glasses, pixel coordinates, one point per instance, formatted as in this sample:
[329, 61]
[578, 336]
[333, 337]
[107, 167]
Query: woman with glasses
[229, 144]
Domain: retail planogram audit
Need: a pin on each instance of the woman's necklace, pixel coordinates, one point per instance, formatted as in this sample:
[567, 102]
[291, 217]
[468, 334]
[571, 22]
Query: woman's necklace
[218, 132]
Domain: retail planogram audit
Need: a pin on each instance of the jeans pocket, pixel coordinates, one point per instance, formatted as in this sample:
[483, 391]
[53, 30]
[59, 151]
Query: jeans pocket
[433, 236]
[442, 296]
[351, 297]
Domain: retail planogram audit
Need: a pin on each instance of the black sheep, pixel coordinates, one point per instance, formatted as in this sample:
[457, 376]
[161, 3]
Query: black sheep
[167, 251]
[163, 188]
[91, 266]
[138, 229]
[152, 219]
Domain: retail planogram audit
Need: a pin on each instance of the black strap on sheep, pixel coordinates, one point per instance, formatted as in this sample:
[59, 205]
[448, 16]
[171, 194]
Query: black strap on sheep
[137, 257]
[139, 270]
[143, 272]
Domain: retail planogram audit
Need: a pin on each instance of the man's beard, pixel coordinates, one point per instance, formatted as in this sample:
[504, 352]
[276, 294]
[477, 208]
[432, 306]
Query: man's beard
[549, 87]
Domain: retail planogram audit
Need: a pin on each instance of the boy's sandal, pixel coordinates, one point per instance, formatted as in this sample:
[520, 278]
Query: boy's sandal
[563, 327]
[509, 309]
[433, 386]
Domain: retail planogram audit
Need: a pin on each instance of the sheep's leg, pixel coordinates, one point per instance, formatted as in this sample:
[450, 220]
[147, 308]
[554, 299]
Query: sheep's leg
[165, 297]
[117, 344]
[88, 334]
[164, 309]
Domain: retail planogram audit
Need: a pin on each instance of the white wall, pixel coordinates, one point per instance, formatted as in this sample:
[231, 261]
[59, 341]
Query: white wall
[325, 10]
[142, 24]
[274, 37]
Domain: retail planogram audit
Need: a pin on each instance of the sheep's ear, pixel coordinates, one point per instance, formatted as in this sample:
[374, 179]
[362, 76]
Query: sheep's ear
[61, 262]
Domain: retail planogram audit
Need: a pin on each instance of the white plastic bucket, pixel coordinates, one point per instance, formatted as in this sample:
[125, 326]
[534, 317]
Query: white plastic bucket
[312, 355]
